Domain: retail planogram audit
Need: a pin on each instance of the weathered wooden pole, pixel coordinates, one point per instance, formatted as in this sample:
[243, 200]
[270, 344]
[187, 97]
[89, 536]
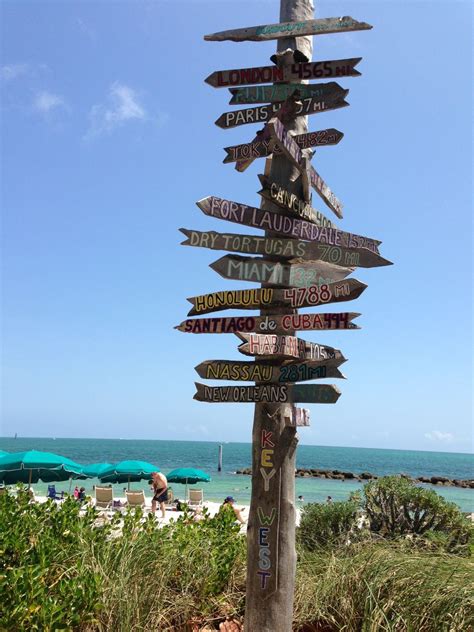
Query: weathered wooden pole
[271, 554]
[219, 459]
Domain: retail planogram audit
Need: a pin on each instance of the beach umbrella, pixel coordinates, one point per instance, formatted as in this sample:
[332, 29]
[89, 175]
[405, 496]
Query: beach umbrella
[33, 465]
[94, 470]
[187, 476]
[127, 471]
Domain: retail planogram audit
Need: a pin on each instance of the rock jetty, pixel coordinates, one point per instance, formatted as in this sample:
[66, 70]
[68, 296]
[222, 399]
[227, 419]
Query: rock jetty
[367, 476]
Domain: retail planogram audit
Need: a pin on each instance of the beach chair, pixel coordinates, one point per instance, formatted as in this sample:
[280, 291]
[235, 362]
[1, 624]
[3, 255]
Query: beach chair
[104, 497]
[53, 494]
[195, 498]
[135, 499]
[170, 504]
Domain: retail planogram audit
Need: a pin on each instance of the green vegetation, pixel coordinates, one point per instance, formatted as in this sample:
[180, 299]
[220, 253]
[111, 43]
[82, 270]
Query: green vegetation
[63, 571]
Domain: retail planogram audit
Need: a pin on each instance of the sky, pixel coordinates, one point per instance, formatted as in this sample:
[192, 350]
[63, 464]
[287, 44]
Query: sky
[108, 140]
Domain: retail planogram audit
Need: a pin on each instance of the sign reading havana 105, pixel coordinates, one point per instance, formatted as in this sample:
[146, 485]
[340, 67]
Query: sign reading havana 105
[300, 258]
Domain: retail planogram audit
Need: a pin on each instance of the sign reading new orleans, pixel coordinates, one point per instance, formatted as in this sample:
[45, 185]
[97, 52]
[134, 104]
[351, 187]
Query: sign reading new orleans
[270, 272]
[285, 322]
[275, 222]
[291, 203]
[263, 113]
[295, 72]
[260, 148]
[348, 255]
[240, 371]
[265, 32]
[311, 393]
[281, 91]
[257, 298]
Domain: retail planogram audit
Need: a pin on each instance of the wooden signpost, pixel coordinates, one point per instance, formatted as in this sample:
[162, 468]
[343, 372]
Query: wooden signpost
[258, 298]
[276, 223]
[263, 113]
[277, 393]
[331, 69]
[281, 91]
[240, 371]
[261, 324]
[305, 261]
[260, 148]
[296, 29]
[293, 248]
[270, 272]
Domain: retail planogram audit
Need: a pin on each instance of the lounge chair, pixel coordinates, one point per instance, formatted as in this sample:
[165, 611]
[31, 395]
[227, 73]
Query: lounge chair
[53, 494]
[170, 504]
[135, 499]
[104, 497]
[195, 498]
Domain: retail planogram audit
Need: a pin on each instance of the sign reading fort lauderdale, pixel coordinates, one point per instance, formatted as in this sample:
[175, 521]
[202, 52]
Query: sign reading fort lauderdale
[287, 322]
[294, 72]
[257, 298]
[313, 393]
[289, 248]
[266, 32]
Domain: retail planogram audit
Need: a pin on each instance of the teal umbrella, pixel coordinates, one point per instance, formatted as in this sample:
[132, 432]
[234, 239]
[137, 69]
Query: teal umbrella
[94, 470]
[187, 476]
[127, 471]
[33, 465]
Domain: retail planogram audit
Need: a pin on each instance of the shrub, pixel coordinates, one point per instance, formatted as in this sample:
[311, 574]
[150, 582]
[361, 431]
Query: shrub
[397, 507]
[326, 525]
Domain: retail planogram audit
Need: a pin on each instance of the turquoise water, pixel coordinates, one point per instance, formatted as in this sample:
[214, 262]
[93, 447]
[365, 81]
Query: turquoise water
[167, 455]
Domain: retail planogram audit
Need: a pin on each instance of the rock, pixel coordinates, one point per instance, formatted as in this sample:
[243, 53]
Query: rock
[365, 476]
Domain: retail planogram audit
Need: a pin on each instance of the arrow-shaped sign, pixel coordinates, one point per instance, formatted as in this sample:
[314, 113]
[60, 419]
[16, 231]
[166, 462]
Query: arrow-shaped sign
[281, 91]
[278, 223]
[328, 69]
[269, 345]
[260, 270]
[291, 203]
[266, 32]
[263, 113]
[260, 148]
[257, 298]
[293, 152]
[291, 248]
[270, 324]
[277, 393]
[240, 371]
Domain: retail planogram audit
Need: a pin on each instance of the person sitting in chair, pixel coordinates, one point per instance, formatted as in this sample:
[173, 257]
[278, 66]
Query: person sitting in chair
[229, 503]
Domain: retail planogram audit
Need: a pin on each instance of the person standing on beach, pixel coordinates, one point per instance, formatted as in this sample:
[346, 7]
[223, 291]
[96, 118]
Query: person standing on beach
[160, 492]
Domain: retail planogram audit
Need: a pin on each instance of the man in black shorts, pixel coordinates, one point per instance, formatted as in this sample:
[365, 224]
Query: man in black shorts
[160, 492]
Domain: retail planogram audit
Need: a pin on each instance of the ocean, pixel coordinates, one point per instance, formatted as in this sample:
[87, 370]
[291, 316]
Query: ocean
[167, 455]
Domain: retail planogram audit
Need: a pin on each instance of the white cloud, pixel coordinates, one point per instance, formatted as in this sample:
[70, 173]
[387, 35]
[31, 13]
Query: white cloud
[12, 71]
[437, 435]
[46, 101]
[123, 106]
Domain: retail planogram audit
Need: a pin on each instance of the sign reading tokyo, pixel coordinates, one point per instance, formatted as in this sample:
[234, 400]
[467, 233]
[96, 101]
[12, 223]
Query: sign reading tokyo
[284, 323]
[240, 371]
[260, 148]
[311, 393]
[258, 298]
[266, 32]
[295, 72]
[281, 91]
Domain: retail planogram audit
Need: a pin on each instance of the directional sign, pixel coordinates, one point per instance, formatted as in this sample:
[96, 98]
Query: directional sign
[239, 371]
[299, 417]
[295, 72]
[266, 32]
[322, 189]
[325, 250]
[260, 270]
[291, 203]
[286, 346]
[311, 393]
[285, 322]
[263, 113]
[281, 91]
[260, 148]
[257, 298]
[277, 223]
